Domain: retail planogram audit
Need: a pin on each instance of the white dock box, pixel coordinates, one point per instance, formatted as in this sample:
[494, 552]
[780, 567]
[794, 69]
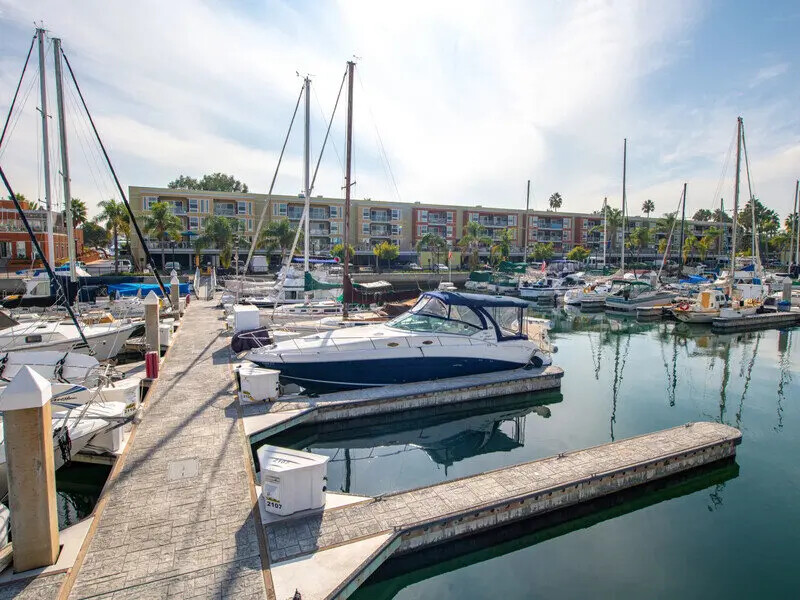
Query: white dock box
[291, 480]
[165, 334]
[245, 317]
[257, 384]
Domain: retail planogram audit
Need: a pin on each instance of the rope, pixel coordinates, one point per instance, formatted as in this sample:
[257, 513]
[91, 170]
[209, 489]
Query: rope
[16, 91]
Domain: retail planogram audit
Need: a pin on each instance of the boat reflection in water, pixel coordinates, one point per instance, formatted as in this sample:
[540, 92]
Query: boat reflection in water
[385, 456]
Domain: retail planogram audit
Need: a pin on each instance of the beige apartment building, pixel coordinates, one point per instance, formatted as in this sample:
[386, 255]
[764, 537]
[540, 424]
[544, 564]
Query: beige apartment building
[376, 221]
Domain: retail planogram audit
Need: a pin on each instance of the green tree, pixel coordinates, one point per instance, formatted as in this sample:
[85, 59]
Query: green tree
[474, 237]
[703, 215]
[94, 235]
[767, 221]
[647, 207]
[338, 251]
[662, 246]
[433, 243]
[638, 239]
[704, 246]
[501, 249]
[721, 217]
[163, 225]
[579, 253]
[215, 182]
[689, 245]
[385, 251]
[555, 201]
[613, 223]
[115, 216]
[78, 212]
[218, 232]
[279, 234]
[780, 243]
[665, 226]
[542, 251]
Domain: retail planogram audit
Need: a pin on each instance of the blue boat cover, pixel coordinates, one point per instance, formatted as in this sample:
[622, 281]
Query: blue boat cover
[316, 261]
[131, 289]
[694, 279]
[476, 300]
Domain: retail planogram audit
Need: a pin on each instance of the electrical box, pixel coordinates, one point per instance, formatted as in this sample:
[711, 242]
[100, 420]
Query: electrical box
[291, 480]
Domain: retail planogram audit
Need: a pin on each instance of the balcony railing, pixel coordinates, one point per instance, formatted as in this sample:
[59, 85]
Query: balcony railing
[318, 215]
[437, 219]
[177, 210]
[224, 212]
[295, 214]
[319, 231]
[379, 217]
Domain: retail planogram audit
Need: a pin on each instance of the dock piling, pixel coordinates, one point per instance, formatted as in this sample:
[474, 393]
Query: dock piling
[175, 293]
[27, 424]
[151, 323]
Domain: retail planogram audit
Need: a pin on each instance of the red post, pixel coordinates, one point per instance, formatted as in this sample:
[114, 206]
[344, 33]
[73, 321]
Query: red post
[151, 365]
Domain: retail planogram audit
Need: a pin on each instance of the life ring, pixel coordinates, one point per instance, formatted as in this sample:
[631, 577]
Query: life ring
[683, 305]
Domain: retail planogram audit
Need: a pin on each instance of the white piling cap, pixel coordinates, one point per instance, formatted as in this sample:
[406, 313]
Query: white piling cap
[28, 389]
[173, 278]
[151, 299]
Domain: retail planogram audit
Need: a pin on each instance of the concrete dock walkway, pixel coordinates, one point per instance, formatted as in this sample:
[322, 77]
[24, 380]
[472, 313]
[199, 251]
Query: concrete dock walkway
[351, 541]
[177, 521]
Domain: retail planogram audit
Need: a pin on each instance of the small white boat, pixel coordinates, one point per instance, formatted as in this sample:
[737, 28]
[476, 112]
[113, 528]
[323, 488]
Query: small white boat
[104, 339]
[447, 286]
[704, 309]
[630, 294]
[550, 288]
[596, 291]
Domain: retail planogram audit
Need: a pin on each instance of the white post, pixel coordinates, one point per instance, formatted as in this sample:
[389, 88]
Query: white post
[306, 175]
[46, 148]
[28, 430]
[624, 174]
[62, 130]
[151, 334]
[175, 292]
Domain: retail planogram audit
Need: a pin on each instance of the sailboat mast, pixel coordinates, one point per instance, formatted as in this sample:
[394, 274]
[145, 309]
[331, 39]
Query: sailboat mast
[347, 183]
[306, 174]
[62, 131]
[45, 146]
[605, 230]
[527, 208]
[683, 225]
[732, 270]
[796, 222]
[624, 177]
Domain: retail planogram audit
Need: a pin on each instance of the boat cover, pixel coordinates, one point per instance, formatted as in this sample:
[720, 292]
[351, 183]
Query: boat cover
[132, 289]
[312, 284]
[476, 300]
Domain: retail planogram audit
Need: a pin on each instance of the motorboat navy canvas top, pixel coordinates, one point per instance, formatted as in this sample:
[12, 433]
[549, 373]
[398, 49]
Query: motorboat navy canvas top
[445, 334]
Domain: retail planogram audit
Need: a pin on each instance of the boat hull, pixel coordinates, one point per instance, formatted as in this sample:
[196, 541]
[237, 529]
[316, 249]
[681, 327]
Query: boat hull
[331, 376]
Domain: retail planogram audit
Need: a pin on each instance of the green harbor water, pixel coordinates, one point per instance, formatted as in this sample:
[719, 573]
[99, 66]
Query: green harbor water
[731, 530]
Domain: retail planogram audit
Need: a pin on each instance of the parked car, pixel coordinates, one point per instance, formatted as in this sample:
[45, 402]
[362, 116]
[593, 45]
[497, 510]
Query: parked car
[441, 267]
[169, 266]
[366, 269]
[414, 267]
[125, 265]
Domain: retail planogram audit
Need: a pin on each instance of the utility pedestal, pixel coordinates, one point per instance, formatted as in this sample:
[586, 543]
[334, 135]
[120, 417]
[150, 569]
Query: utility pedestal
[175, 293]
[151, 323]
[28, 429]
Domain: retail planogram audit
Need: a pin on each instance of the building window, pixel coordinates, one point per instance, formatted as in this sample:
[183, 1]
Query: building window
[423, 229]
[449, 216]
[148, 201]
[279, 209]
[249, 224]
[449, 231]
[365, 214]
[21, 252]
[194, 223]
[512, 220]
[335, 228]
[395, 214]
[334, 212]
[423, 216]
[193, 205]
[473, 217]
[243, 207]
[395, 229]
[365, 228]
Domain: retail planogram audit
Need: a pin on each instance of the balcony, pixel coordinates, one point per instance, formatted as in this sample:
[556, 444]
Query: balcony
[225, 210]
[380, 216]
[437, 219]
[178, 209]
[317, 230]
[380, 232]
[319, 214]
[551, 224]
[294, 213]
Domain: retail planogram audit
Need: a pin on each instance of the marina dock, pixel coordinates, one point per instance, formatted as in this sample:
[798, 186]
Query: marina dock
[344, 544]
[765, 320]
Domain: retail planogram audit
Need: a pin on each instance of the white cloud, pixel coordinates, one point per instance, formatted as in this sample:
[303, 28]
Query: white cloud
[769, 72]
[471, 99]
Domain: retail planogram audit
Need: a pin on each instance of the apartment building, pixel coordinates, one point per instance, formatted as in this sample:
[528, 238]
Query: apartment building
[402, 224]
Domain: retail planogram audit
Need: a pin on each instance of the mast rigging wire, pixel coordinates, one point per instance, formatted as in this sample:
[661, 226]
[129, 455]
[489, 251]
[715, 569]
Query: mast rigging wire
[119, 185]
[38, 249]
[272, 185]
[16, 91]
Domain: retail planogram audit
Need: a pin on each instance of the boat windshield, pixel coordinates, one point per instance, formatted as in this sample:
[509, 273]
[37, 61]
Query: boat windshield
[508, 319]
[431, 315]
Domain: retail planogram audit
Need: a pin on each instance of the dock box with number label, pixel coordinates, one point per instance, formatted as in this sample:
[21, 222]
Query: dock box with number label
[291, 480]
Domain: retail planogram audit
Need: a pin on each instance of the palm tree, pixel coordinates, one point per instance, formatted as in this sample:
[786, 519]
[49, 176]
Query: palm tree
[78, 212]
[218, 233]
[648, 207]
[556, 201]
[613, 218]
[689, 244]
[279, 234]
[638, 239]
[502, 246]
[115, 216]
[665, 226]
[433, 243]
[163, 225]
[704, 247]
[474, 236]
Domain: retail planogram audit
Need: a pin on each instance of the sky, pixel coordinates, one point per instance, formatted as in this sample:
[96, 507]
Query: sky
[455, 102]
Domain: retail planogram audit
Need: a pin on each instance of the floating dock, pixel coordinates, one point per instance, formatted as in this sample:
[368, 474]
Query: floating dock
[767, 320]
[262, 420]
[344, 543]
